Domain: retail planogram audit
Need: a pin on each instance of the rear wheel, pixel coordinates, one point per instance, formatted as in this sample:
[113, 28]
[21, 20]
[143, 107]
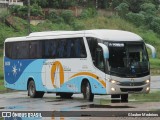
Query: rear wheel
[124, 97]
[65, 95]
[32, 91]
[86, 90]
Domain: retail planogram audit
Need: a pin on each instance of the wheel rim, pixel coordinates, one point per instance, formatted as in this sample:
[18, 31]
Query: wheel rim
[87, 91]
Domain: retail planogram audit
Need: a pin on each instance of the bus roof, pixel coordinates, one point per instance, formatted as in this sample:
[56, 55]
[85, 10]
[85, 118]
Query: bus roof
[104, 34]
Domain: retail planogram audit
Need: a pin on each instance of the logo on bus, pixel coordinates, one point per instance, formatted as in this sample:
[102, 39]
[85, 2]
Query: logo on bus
[57, 65]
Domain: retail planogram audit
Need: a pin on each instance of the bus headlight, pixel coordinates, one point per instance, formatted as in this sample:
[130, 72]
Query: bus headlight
[113, 81]
[113, 89]
[147, 81]
[147, 89]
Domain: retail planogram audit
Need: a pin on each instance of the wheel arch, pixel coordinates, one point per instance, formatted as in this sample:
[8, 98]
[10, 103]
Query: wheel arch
[30, 79]
[83, 83]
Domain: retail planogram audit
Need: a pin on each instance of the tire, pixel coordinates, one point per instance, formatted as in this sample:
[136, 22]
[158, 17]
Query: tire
[65, 95]
[86, 90]
[124, 98]
[32, 90]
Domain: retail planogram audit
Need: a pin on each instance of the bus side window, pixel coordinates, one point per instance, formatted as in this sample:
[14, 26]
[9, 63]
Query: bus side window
[68, 47]
[83, 53]
[77, 46]
[50, 48]
[23, 50]
[33, 50]
[61, 47]
[15, 51]
[92, 43]
[8, 50]
[78, 49]
[99, 63]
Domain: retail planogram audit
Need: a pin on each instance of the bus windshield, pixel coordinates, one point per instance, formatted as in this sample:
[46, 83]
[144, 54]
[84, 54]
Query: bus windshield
[128, 59]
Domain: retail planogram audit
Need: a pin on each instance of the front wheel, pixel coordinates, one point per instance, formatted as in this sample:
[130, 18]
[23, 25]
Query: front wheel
[32, 91]
[86, 90]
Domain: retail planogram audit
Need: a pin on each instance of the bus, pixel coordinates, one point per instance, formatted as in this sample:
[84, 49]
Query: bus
[91, 62]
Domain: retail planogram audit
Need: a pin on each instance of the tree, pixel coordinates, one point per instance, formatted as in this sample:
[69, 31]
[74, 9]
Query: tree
[122, 9]
[134, 5]
[149, 8]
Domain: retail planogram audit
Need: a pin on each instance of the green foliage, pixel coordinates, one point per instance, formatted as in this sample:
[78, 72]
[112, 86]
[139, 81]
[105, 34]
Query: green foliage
[36, 10]
[14, 9]
[122, 9]
[155, 24]
[3, 16]
[54, 17]
[104, 4]
[135, 5]
[42, 3]
[137, 18]
[64, 4]
[22, 11]
[149, 8]
[88, 13]
[115, 3]
[68, 16]
[77, 25]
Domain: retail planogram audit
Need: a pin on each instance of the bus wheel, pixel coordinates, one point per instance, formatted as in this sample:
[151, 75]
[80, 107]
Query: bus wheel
[86, 90]
[124, 97]
[65, 95]
[32, 91]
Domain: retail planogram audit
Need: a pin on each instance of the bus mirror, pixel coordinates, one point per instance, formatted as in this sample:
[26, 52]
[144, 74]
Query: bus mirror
[152, 49]
[105, 50]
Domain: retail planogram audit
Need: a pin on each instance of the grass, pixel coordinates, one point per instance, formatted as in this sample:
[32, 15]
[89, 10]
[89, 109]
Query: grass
[155, 66]
[2, 85]
[151, 97]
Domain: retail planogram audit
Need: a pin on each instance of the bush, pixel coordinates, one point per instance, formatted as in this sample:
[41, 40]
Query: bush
[14, 9]
[67, 16]
[149, 8]
[3, 16]
[88, 13]
[22, 11]
[78, 25]
[122, 9]
[155, 25]
[54, 17]
[36, 10]
[136, 18]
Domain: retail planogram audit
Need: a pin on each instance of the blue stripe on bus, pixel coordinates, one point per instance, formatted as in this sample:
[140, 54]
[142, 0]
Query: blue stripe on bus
[14, 69]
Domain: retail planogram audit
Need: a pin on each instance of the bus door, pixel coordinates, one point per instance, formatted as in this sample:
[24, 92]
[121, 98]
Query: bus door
[100, 71]
[46, 78]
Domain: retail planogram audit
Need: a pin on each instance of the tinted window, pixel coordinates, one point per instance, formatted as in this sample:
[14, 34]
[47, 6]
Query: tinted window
[17, 50]
[64, 48]
[92, 43]
[59, 48]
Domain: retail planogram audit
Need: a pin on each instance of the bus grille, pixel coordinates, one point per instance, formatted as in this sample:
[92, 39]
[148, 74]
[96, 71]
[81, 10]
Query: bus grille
[131, 89]
[132, 83]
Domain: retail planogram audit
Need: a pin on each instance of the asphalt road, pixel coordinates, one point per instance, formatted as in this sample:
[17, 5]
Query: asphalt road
[19, 101]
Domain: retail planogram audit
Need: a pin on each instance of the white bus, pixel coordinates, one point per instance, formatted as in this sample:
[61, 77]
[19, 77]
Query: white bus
[92, 62]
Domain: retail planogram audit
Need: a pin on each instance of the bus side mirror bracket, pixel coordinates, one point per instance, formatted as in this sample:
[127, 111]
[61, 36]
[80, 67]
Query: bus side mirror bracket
[105, 50]
[152, 49]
